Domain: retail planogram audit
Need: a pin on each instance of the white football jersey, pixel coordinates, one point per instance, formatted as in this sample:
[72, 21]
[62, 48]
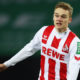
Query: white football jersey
[58, 54]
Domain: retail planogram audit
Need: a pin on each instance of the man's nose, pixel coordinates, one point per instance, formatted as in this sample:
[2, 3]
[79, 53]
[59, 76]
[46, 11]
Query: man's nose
[59, 19]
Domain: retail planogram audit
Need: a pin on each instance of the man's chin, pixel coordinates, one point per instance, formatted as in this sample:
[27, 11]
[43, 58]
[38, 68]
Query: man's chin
[58, 27]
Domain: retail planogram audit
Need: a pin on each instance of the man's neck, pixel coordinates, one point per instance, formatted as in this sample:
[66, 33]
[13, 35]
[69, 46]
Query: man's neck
[61, 30]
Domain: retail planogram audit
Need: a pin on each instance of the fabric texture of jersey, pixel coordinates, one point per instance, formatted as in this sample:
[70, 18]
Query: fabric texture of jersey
[58, 54]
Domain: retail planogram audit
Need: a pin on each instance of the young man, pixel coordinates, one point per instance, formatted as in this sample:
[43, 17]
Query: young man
[59, 48]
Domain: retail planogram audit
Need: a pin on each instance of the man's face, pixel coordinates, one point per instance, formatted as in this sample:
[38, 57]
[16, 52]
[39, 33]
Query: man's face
[61, 18]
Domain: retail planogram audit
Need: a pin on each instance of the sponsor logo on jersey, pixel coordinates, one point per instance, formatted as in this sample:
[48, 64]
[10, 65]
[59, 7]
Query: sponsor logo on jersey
[52, 53]
[78, 48]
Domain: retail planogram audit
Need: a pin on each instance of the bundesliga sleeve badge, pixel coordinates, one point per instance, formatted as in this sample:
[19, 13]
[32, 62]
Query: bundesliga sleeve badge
[78, 48]
[77, 56]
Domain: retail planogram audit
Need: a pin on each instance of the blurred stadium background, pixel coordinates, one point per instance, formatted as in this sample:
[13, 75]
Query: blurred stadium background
[20, 20]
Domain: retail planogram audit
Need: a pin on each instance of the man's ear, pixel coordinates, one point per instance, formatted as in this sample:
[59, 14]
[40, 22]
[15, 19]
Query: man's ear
[53, 17]
[70, 20]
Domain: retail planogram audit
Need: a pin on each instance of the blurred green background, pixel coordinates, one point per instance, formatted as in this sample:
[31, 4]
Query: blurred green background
[20, 20]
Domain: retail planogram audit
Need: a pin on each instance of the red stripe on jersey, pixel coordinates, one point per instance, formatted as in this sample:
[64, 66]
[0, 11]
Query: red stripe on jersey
[68, 42]
[51, 74]
[63, 71]
[52, 63]
[42, 67]
[55, 42]
[46, 34]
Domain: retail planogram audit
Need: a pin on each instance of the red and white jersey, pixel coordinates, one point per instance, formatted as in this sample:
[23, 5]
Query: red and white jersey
[58, 54]
[56, 49]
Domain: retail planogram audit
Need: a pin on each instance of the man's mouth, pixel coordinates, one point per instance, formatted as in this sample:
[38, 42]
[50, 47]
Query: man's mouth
[59, 24]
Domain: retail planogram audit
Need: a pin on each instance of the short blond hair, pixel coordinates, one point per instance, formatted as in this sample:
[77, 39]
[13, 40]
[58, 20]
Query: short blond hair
[65, 6]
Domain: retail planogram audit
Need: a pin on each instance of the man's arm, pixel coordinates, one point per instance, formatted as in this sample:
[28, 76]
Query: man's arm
[24, 53]
[73, 63]
[28, 50]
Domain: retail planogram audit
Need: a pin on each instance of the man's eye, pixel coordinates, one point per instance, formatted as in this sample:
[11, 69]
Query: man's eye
[57, 15]
[64, 16]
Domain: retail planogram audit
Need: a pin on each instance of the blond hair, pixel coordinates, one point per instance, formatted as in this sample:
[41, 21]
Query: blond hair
[65, 6]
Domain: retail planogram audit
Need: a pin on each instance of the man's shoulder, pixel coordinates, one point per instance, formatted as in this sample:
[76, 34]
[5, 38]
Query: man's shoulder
[45, 28]
[73, 34]
[76, 38]
[48, 26]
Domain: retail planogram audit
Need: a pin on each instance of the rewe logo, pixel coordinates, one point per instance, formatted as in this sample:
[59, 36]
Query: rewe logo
[66, 49]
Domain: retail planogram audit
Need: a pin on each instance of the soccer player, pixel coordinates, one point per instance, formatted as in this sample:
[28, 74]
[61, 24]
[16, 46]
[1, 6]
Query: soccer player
[60, 48]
